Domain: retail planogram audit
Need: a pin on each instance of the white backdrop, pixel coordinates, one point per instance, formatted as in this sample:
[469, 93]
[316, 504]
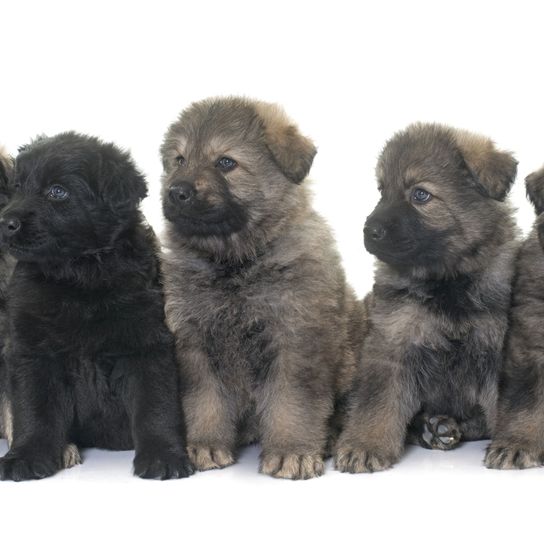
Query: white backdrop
[350, 75]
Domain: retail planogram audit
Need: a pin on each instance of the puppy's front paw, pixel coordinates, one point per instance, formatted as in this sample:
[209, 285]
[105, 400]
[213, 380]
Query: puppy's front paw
[206, 458]
[356, 461]
[440, 433]
[162, 465]
[20, 468]
[292, 466]
[512, 457]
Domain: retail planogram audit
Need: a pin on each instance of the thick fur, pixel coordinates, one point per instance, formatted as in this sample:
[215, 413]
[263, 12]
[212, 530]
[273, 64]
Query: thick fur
[6, 268]
[90, 360]
[518, 440]
[255, 292]
[438, 310]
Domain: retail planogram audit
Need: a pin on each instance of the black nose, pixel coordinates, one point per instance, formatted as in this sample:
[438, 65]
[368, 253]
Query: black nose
[9, 225]
[181, 193]
[375, 232]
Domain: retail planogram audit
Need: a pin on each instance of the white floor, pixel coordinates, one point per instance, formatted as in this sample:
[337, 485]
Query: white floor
[429, 496]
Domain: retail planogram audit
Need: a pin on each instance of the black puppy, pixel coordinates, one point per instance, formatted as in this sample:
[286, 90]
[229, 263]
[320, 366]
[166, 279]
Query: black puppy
[90, 360]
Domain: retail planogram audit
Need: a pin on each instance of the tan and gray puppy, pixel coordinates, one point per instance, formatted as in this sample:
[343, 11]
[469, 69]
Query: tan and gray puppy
[518, 440]
[255, 292]
[6, 268]
[446, 241]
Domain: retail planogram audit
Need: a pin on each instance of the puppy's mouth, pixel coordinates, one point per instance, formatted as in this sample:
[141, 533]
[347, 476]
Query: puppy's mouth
[206, 222]
[401, 255]
[25, 251]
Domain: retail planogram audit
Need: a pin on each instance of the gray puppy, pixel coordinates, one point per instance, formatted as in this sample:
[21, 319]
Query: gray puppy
[446, 242]
[518, 440]
[255, 292]
[6, 268]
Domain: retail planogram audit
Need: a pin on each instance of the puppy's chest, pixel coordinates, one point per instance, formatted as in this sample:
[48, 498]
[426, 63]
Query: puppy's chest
[236, 319]
[65, 321]
[439, 317]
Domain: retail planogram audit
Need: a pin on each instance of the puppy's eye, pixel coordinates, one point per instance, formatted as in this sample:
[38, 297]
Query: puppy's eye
[226, 164]
[420, 196]
[57, 192]
[180, 159]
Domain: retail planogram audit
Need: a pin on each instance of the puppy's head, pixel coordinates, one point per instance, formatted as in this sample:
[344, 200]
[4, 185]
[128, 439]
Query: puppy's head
[441, 193]
[73, 195]
[231, 165]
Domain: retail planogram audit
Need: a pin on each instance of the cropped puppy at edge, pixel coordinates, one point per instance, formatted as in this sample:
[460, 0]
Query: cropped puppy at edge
[446, 243]
[255, 292]
[6, 268]
[89, 359]
[518, 440]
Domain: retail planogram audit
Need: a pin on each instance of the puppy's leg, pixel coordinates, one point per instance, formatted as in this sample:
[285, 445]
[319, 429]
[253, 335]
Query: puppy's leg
[295, 404]
[39, 421]
[157, 421]
[381, 407]
[518, 437]
[211, 427]
[436, 432]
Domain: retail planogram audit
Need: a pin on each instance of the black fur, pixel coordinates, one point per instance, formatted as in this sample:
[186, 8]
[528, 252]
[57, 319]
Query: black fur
[90, 359]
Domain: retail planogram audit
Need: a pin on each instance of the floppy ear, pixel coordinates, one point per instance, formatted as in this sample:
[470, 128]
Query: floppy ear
[534, 183]
[120, 182]
[494, 170]
[293, 153]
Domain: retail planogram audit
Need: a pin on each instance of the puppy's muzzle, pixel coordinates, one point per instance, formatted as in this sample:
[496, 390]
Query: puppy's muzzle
[375, 231]
[9, 225]
[182, 193]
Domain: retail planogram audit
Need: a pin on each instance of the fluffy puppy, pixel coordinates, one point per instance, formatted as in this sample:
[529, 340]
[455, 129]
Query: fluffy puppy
[518, 440]
[255, 292]
[90, 360]
[6, 268]
[446, 240]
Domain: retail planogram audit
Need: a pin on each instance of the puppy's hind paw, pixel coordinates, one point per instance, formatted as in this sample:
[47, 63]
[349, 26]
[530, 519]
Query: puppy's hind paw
[512, 457]
[440, 433]
[71, 456]
[19, 468]
[162, 466]
[292, 466]
[358, 461]
[207, 458]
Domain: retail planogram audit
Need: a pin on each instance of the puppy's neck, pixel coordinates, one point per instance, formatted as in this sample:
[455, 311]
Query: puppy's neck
[133, 249]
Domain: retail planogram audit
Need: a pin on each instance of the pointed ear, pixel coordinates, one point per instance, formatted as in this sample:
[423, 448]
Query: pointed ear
[293, 153]
[120, 182]
[534, 183]
[494, 170]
